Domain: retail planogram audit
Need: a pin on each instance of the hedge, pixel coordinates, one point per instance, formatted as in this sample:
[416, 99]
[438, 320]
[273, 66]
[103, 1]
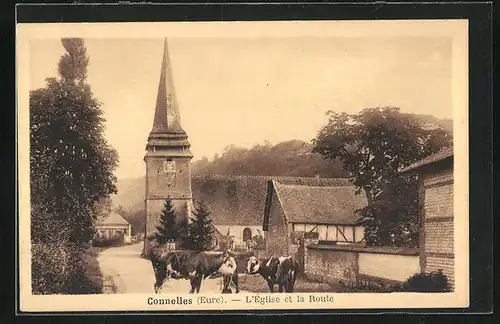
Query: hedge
[64, 269]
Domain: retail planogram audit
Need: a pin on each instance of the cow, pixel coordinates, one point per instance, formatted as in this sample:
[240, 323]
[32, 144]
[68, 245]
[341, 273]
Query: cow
[275, 270]
[160, 262]
[197, 266]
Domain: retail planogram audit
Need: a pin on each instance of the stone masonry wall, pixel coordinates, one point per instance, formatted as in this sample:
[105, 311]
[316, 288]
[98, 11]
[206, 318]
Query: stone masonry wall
[331, 266]
[181, 189]
[438, 234]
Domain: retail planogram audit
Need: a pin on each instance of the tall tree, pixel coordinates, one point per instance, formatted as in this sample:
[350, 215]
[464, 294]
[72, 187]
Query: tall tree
[122, 211]
[167, 227]
[71, 163]
[201, 228]
[374, 145]
[73, 64]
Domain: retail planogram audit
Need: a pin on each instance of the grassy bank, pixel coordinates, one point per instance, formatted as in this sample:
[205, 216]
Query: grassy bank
[92, 280]
[257, 284]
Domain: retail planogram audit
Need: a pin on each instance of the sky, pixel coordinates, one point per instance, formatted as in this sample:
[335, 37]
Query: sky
[244, 91]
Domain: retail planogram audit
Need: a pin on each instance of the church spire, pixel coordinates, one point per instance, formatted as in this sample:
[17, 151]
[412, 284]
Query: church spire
[167, 117]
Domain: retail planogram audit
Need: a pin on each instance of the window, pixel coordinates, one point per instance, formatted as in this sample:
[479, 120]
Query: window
[247, 234]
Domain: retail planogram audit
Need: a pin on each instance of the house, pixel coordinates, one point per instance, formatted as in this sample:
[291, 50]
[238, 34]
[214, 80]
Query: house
[435, 174]
[114, 225]
[325, 206]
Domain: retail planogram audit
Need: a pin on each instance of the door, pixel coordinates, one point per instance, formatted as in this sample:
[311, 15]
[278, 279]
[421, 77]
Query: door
[301, 255]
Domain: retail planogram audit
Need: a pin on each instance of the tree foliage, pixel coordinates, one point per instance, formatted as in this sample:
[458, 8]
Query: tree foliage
[290, 158]
[167, 227]
[136, 218]
[201, 229]
[73, 64]
[71, 164]
[373, 146]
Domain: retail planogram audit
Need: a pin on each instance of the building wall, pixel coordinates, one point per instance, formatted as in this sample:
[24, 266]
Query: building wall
[277, 235]
[158, 189]
[389, 266]
[331, 232]
[155, 206]
[179, 188]
[108, 230]
[437, 222]
[237, 232]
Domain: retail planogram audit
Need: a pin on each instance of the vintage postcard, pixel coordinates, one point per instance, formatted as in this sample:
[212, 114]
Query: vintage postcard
[243, 165]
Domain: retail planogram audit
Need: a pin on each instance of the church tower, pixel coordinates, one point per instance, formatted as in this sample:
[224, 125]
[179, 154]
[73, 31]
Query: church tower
[168, 169]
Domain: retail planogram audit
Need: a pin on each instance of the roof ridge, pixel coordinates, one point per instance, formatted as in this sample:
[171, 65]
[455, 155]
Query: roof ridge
[442, 154]
[118, 219]
[312, 186]
[262, 177]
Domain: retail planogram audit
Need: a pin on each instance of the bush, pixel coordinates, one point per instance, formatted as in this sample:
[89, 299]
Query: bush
[366, 286]
[225, 242]
[64, 269]
[107, 242]
[434, 281]
[260, 242]
[421, 282]
[50, 268]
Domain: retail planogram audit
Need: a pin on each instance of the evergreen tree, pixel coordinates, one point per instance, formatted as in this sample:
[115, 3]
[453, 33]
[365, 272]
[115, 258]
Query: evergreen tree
[201, 228]
[167, 227]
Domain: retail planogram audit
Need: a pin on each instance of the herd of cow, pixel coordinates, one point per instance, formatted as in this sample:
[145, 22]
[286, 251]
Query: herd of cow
[197, 266]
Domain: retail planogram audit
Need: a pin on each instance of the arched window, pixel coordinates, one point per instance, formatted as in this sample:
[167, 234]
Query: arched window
[247, 234]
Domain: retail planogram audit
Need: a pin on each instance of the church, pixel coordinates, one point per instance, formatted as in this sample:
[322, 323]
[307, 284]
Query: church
[168, 158]
[237, 203]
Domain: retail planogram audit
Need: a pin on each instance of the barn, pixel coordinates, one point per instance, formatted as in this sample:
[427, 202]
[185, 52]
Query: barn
[435, 174]
[238, 202]
[324, 206]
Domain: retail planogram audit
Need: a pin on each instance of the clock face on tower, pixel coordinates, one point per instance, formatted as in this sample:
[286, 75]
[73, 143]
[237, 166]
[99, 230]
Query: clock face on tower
[166, 173]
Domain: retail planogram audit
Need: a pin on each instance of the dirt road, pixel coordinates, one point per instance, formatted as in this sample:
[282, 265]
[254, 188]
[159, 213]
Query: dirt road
[132, 274]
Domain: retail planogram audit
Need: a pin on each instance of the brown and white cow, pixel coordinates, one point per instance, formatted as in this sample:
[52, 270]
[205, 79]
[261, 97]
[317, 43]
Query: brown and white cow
[275, 270]
[195, 266]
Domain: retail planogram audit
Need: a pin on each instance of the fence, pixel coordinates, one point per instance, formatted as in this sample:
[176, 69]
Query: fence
[353, 264]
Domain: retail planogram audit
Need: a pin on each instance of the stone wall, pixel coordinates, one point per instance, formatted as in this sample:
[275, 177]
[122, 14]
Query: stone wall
[329, 266]
[391, 267]
[347, 264]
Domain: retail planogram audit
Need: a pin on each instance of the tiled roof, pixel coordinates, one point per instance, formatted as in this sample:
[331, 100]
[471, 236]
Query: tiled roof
[113, 219]
[240, 199]
[320, 205]
[282, 179]
[439, 156]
